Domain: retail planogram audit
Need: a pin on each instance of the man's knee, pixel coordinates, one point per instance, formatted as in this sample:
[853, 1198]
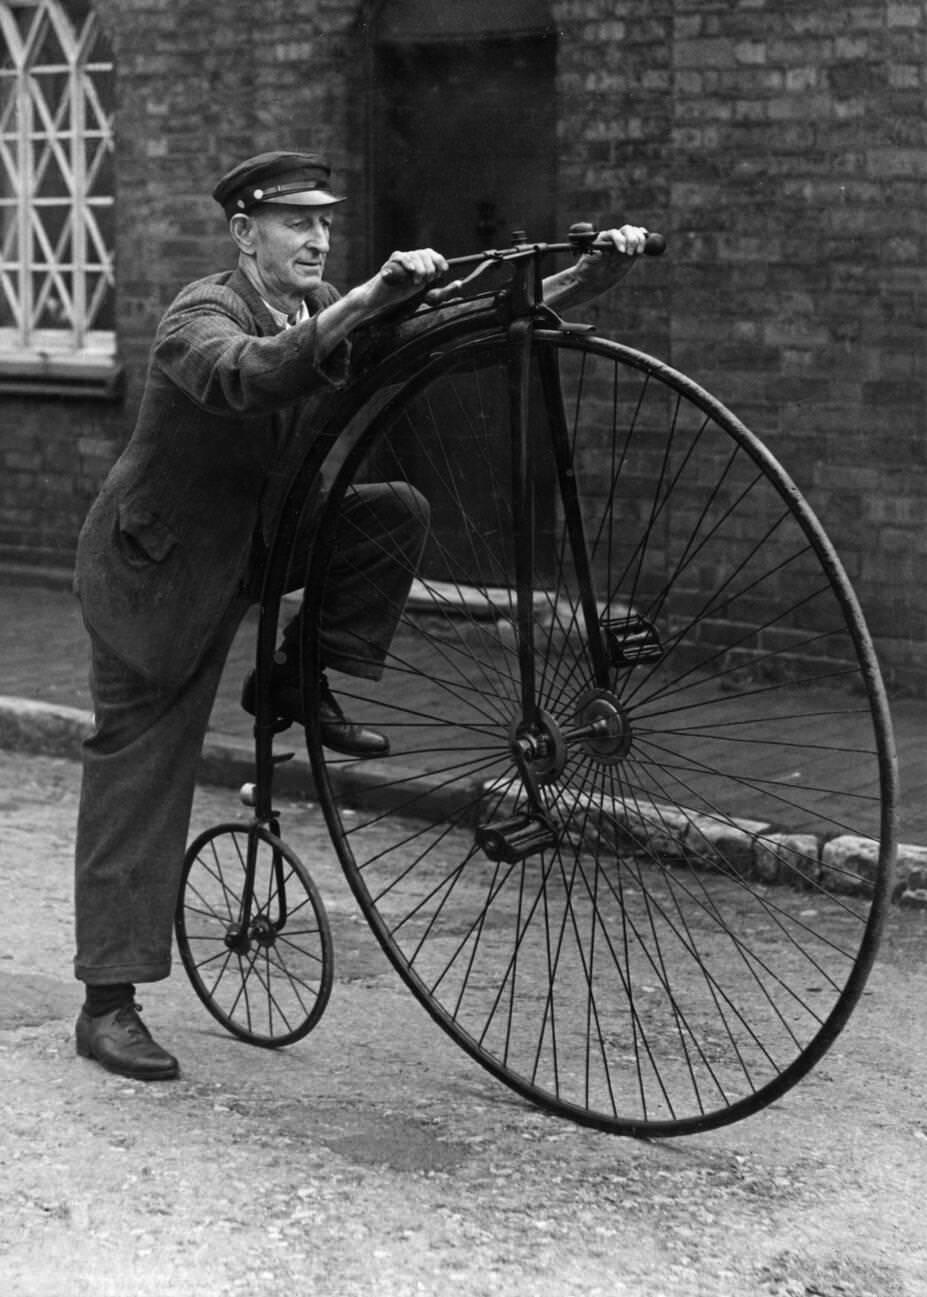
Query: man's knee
[414, 506]
[389, 509]
[400, 502]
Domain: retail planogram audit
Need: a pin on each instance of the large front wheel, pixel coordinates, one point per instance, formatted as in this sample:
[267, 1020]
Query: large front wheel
[651, 904]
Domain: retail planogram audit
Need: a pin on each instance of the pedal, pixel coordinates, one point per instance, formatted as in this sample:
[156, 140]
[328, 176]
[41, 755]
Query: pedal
[513, 839]
[632, 641]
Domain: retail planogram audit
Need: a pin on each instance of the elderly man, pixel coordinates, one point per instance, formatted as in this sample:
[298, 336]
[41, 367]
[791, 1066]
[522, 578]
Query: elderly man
[171, 554]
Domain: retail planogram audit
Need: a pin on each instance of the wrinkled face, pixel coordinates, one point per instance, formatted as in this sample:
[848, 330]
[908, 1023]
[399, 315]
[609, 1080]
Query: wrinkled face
[288, 246]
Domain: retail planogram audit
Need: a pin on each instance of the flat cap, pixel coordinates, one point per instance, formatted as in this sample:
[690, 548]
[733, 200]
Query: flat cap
[300, 179]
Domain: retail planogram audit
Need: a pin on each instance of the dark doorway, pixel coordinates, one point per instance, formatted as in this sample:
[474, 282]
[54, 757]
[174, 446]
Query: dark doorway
[463, 141]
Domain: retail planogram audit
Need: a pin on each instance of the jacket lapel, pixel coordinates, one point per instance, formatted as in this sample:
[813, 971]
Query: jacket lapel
[241, 284]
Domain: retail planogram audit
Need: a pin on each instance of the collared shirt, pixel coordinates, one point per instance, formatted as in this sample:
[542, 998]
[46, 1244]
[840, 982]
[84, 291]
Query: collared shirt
[284, 321]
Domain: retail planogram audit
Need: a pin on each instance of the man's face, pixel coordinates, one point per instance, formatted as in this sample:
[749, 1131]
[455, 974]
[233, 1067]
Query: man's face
[290, 246]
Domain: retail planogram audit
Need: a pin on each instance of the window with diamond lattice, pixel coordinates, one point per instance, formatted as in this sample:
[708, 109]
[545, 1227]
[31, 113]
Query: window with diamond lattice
[56, 188]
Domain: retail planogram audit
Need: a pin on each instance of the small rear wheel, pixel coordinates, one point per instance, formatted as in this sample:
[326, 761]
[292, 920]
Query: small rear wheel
[253, 935]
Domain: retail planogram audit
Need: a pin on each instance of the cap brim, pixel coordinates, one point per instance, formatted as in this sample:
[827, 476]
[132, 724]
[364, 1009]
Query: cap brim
[308, 198]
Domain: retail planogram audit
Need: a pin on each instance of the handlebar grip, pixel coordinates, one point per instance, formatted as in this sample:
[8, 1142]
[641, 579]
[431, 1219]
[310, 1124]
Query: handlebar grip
[393, 274]
[583, 235]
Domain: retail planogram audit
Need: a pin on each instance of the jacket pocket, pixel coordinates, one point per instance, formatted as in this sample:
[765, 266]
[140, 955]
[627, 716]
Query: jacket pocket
[144, 536]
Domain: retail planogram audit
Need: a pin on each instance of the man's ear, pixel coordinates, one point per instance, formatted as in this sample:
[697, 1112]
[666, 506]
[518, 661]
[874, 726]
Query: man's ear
[241, 228]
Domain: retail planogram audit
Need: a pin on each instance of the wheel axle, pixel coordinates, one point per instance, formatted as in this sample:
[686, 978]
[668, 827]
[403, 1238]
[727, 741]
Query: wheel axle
[601, 727]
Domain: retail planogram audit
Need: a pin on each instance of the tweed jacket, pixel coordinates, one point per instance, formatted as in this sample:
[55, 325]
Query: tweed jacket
[165, 548]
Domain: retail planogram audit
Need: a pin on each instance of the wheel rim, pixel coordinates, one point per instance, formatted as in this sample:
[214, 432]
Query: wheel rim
[264, 970]
[640, 970]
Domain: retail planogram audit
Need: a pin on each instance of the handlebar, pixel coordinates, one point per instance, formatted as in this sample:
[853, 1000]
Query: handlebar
[581, 239]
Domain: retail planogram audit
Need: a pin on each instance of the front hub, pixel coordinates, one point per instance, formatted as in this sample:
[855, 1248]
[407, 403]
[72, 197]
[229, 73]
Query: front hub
[263, 932]
[601, 727]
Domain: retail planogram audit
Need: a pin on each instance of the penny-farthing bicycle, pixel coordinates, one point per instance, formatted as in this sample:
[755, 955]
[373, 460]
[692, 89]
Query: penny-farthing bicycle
[633, 842]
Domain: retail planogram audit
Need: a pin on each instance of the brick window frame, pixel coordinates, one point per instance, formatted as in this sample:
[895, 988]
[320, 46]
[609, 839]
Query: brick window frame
[57, 201]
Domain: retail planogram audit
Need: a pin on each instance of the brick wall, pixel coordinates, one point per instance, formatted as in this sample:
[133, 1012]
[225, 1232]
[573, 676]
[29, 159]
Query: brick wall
[201, 86]
[615, 164]
[797, 202]
[782, 148]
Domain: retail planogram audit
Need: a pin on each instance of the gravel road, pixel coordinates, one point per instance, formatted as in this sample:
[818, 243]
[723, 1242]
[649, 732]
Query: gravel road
[375, 1158]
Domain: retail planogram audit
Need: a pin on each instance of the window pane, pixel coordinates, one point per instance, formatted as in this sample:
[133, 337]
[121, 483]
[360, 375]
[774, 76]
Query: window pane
[56, 175]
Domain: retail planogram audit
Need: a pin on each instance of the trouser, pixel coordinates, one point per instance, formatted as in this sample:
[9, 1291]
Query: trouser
[140, 763]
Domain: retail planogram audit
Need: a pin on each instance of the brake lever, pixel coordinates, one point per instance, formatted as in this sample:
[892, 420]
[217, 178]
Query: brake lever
[582, 237]
[435, 296]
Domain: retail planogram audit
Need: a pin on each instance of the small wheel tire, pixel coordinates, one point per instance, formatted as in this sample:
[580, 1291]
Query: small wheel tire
[265, 976]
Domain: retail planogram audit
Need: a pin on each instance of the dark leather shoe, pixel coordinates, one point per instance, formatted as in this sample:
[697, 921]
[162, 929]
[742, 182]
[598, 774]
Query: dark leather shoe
[338, 733]
[120, 1042]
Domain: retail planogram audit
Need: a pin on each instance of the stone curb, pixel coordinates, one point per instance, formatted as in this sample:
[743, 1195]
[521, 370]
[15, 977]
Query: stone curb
[42, 729]
[50, 729]
[843, 863]
[751, 849]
